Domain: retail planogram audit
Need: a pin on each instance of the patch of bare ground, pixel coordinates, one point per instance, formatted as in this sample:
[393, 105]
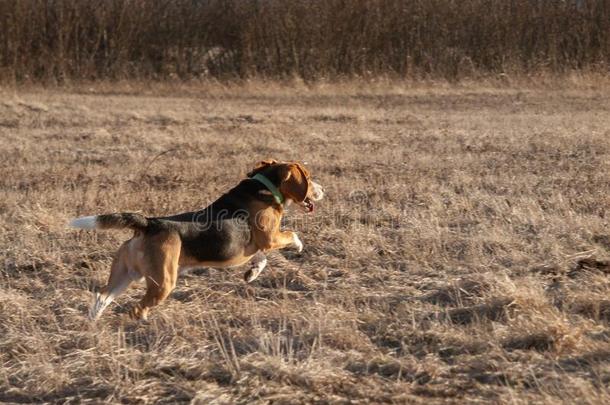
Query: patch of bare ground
[461, 254]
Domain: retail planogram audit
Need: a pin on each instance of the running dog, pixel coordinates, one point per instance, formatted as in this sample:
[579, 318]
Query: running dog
[239, 227]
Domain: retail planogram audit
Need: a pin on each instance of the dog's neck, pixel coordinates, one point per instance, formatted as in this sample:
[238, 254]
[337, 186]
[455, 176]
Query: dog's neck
[271, 188]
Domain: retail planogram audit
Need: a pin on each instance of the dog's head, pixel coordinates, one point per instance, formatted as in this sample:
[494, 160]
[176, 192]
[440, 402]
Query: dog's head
[293, 180]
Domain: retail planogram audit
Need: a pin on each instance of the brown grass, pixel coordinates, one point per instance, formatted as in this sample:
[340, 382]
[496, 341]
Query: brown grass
[61, 41]
[461, 253]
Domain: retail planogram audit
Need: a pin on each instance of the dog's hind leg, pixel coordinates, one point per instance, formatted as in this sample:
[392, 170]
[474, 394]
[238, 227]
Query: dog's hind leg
[259, 262]
[119, 280]
[161, 275]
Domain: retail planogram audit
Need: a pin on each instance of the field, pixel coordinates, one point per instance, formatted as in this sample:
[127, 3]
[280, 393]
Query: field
[461, 253]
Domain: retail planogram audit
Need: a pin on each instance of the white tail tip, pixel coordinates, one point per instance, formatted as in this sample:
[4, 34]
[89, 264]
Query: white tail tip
[89, 222]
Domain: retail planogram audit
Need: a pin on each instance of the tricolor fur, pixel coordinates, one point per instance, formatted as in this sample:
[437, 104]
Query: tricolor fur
[236, 229]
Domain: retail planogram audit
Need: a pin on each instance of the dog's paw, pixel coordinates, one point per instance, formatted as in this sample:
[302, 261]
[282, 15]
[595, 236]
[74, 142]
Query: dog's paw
[250, 275]
[98, 305]
[297, 242]
[95, 309]
[255, 270]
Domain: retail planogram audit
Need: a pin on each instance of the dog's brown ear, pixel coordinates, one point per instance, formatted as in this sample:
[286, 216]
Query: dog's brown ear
[261, 165]
[295, 184]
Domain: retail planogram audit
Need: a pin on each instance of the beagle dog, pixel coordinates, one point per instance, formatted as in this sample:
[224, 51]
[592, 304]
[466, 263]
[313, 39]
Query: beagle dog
[237, 228]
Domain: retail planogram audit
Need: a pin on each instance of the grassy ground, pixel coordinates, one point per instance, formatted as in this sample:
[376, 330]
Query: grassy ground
[461, 252]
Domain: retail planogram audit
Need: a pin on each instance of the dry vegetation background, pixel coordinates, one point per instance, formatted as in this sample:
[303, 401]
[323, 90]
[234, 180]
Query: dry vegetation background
[461, 252]
[58, 41]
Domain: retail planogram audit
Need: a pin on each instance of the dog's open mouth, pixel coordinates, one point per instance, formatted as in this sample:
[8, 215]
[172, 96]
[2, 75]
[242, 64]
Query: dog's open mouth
[307, 205]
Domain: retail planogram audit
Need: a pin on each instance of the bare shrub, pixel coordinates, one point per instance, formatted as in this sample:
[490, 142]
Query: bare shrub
[55, 41]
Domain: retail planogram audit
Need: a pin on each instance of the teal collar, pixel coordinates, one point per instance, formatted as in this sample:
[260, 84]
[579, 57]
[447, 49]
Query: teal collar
[279, 198]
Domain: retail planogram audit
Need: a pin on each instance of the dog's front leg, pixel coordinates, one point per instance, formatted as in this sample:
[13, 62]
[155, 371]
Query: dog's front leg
[283, 239]
[296, 241]
[270, 237]
[259, 262]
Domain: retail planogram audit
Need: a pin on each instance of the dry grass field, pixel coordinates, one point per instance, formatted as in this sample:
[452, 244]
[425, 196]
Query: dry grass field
[460, 255]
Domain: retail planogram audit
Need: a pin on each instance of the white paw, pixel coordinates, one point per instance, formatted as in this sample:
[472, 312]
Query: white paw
[95, 307]
[297, 242]
[100, 302]
[259, 264]
[251, 275]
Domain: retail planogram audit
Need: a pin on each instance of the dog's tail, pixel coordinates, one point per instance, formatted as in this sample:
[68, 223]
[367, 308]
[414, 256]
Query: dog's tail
[122, 220]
